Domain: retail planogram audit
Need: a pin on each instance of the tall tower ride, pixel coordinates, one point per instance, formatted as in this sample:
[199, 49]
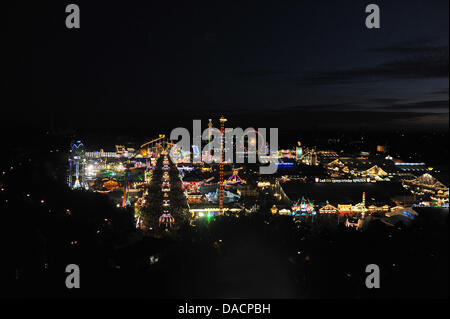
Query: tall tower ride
[77, 163]
[210, 126]
[222, 160]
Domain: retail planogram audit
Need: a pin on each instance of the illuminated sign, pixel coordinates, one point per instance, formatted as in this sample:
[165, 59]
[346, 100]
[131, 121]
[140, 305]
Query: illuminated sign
[285, 164]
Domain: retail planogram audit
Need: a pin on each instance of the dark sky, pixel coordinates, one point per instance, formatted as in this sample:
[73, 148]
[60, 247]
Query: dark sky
[313, 61]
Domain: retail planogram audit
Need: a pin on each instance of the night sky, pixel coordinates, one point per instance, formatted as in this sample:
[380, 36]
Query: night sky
[310, 62]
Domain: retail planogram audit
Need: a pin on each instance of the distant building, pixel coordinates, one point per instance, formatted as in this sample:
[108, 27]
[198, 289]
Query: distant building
[426, 185]
[247, 191]
[381, 149]
[328, 209]
[375, 171]
[345, 208]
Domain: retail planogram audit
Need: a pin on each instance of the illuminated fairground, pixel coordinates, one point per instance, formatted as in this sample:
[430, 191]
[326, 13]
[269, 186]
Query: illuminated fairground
[165, 190]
